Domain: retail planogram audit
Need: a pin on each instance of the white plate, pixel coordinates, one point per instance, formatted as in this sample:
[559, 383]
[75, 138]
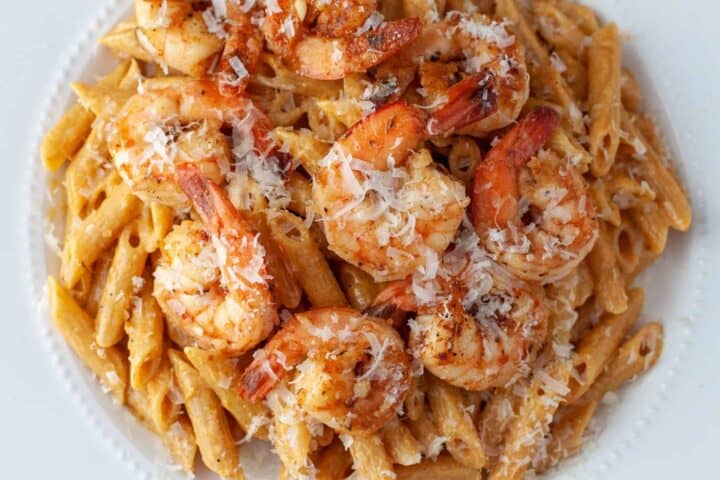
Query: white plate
[53, 413]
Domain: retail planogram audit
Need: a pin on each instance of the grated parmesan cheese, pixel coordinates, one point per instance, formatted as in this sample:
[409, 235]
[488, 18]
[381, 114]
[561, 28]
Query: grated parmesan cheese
[495, 32]
[214, 23]
[371, 23]
[557, 62]
[551, 384]
[272, 6]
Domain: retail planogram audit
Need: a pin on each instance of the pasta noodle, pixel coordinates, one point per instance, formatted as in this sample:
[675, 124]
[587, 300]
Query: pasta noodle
[126, 268]
[222, 376]
[108, 364]
[145, 336]
[212, 431]
[604, 98]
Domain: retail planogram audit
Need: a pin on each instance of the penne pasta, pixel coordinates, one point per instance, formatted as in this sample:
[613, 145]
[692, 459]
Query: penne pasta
[290, 434]
[125, 273]
[632, 99]
[306, 261]
[444, 467]
[495, 420]
[454, 423]
[558, 30]
[600, 344]
[179, 438]
[222, 375]
[98, 231]
[359, 287]
[300, 189]
[581, 15]
[569, 148]
[637, 355]
[464, 155]
[333, 462]
[628, 245]
[566, 434]
[427, 434]
[156, 221]
[604, 98]
[145, 336]
[97, 279]
[609, 281]
[544, 77]
[652, 223]
[87, 170]
[303, 146]
[212, 431]
[573, 71]
[285, 288]
[370, 459]
[76, 326]
[400, 444]
[68, 135]
[671, 197]
[163, 399]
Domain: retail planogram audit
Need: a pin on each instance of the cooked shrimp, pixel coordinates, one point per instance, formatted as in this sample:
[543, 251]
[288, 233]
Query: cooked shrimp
[533, 210]
[341, 44]
[188, 37]
[459, 45]
[161, 129]
[476, 328]
[241, 53]
[211, 281]
[352, 370]
[385, 209]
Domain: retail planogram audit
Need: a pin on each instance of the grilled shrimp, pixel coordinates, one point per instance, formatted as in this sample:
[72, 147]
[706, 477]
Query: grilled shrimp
[241, 53]
[181, 123]
[476, 326]
[385, 209]
[352, 370]
[532, 210]
[459, 45]
[211, 281]
[188, 36]
[345, 40]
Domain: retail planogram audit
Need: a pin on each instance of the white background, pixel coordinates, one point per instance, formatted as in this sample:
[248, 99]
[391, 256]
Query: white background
[46, 435]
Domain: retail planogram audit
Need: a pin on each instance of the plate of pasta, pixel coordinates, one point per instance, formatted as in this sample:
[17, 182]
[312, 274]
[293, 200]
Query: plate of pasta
[366, 239]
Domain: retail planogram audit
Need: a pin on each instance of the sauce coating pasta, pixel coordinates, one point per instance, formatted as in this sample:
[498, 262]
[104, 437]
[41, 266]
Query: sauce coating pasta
[396, 238]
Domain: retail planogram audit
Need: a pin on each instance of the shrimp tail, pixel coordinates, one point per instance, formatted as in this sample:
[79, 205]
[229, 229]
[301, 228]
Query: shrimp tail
[393, 303]
[393, 130]
[241, 54]
[527, 137]
[209, 199]
[260, 378]
[390, 37]
[495, 186]
[470, 100]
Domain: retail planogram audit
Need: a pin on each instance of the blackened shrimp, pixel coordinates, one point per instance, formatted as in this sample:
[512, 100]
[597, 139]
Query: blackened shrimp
[181, 122]
[189, 36]
[386, 208]
[211, 281]
[352, 371]
[460, 45]
[476, 327]
[339, 45]
[532, 210]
